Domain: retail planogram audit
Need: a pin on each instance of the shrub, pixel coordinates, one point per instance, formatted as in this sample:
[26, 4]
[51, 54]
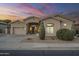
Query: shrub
[65, 34]
[42, 31]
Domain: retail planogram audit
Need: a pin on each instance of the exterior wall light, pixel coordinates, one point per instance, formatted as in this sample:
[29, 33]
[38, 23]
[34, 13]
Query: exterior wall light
[65, 24]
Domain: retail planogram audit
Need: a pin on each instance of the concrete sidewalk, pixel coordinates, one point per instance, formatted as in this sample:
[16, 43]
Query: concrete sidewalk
[39, 46]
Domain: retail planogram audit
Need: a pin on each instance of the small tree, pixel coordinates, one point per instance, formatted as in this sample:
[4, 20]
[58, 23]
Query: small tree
[41, 31]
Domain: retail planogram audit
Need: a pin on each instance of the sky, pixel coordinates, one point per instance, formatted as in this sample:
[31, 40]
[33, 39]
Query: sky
[18, 11]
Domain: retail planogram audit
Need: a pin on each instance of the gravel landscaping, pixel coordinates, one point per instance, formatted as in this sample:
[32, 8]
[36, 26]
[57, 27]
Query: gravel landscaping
[32, 42]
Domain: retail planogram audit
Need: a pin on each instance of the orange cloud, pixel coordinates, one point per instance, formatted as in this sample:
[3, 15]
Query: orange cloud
[11, 17]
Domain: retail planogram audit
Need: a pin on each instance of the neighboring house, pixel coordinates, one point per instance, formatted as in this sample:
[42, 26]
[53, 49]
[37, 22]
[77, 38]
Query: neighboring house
[3, 28]
[31, 24]
[77, 28]
[76, 24]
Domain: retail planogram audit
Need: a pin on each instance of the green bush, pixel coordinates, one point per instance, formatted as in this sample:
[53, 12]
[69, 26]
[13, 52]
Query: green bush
[65, 34]
[42, 31]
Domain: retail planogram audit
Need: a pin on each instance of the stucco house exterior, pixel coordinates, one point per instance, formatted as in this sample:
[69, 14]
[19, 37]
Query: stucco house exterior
[76, 26]
[3, 28]
[54, 23]
[30, 25]
[18, 28]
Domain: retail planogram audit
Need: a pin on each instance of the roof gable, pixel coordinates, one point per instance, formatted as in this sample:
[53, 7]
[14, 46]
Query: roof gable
[57, 17]
[63, 17]
[31, 17]
[17, 21]
[49, 17]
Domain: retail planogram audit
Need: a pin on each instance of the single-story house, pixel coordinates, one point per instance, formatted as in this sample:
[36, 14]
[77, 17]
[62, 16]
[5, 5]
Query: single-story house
[30, 25]
[3, 28]
[76, 24]
[77, 28]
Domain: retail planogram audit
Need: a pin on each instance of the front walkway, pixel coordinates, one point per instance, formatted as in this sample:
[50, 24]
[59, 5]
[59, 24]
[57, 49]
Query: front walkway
[14, 42]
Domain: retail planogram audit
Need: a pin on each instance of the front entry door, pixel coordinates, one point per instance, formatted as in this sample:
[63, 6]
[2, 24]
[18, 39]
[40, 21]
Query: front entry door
[33, 30]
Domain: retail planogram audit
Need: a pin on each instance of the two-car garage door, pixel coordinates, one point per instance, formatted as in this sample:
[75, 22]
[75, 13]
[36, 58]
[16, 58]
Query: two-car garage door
[19, 31]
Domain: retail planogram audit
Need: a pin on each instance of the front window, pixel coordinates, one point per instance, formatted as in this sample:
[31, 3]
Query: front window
[49, 28]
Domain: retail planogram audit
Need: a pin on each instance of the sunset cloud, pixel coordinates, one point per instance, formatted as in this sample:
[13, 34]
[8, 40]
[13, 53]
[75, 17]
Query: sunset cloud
[17, 11]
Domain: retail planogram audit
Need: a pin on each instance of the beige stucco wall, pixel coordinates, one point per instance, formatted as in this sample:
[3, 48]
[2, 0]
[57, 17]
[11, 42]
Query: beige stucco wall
[18, 24]
[20, 28]
[56, 26]
[68, 26]
[68, 22]
[32, 20]
[55, 21]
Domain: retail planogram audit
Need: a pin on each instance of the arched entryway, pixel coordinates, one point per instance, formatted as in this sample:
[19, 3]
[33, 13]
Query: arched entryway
[32, 28]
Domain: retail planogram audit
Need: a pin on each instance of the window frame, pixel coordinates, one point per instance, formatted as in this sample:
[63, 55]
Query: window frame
[48, 28]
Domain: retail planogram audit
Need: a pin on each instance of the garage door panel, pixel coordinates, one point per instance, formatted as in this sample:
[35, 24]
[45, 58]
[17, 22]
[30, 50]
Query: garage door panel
[19, 31]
